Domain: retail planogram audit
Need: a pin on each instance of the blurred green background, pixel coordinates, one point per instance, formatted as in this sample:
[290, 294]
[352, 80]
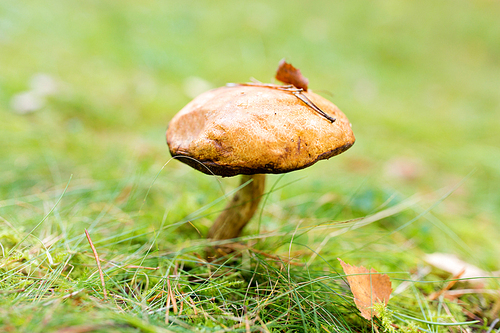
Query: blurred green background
[88, 87]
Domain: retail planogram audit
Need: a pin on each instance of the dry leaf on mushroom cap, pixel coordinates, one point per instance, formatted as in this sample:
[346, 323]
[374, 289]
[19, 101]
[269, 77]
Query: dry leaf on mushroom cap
[286, 73]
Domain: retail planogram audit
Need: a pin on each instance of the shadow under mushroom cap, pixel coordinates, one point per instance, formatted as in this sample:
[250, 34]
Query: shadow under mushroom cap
[251, 129]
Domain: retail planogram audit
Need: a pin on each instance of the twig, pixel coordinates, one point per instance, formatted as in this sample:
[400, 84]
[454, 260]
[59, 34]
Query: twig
[170, 298]
[171, 294]
[448, 286]
[155, 297]
[313, 106]
[193, 306]
[182, 304]
[167, 311]
[247, 324]
[297, 92]
[98, 263]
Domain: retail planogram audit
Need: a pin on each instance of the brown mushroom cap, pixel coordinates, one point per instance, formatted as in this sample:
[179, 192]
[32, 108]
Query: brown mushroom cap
[253, 129]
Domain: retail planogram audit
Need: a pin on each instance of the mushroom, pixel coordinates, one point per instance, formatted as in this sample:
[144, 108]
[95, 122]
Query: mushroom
[253, 129]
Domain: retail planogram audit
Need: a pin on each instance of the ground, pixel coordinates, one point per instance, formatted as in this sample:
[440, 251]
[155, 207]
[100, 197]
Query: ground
[86, 93]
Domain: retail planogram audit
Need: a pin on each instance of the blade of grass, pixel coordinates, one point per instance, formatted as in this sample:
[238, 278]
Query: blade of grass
[44, 218]
[400, 316]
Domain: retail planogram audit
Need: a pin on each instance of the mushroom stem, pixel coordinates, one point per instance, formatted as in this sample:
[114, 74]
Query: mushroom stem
[239, 210]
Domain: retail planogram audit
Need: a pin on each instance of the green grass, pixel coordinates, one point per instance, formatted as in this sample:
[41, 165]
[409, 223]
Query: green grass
[418, 80]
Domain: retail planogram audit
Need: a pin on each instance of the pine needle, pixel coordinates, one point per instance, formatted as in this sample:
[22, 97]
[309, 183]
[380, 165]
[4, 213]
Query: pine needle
[101, 275]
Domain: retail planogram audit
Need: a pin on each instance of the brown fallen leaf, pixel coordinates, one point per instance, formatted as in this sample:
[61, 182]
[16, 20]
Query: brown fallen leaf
[368, 288]
[288, 74]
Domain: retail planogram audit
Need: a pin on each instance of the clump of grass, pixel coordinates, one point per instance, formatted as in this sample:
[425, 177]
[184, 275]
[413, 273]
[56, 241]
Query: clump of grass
[272, 282]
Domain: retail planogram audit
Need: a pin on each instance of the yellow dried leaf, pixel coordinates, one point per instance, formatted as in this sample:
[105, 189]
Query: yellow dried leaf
[368, 288]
